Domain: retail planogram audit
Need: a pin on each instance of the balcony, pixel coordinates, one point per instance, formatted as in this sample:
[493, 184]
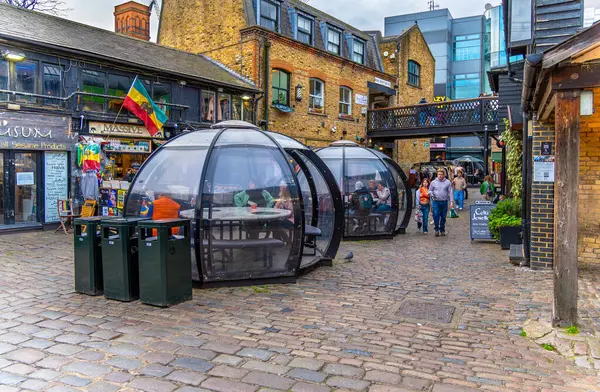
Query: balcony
[438, 118]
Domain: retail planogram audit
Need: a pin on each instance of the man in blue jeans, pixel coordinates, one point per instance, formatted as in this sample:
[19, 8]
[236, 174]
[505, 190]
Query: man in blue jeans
[440, 192]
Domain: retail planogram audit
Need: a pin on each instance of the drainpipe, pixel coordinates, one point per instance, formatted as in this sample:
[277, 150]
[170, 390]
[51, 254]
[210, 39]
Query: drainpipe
[255, 109]
[266, 83]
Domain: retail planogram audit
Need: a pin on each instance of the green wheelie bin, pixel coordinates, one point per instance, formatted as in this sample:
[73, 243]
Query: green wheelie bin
[165, 262]
[88, 255]
[120, 258]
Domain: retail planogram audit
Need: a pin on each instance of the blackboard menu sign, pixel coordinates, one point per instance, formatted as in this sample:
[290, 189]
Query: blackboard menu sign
[479, 228]
[55, 184]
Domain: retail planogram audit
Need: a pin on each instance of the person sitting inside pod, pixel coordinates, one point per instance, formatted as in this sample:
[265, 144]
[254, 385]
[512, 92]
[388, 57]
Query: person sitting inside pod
[253, 196]
[165, 208]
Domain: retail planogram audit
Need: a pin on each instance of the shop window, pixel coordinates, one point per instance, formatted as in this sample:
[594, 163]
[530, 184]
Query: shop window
[3, 79]
[467, 47]
[208, 106]
[52, 83]
[161, 94]
[241, 109]
[26, 79]
[269, 15]
[316, 99]
[224, 108]
[334, 37]
[305, 30]
[414, 73]
[93, 82]
[280, 87]
[345, 101]
[358, 49]
[118, 86]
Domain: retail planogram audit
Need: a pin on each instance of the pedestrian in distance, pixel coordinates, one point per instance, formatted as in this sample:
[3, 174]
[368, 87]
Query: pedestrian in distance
[487, 189]
[424, 205]
[440, 192]
[460, 184]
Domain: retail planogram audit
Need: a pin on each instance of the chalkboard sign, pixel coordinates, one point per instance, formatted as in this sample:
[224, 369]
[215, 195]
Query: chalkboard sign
[479, 228]
[56, 183]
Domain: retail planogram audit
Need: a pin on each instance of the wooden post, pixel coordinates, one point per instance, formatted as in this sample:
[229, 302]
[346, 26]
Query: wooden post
[566, 208]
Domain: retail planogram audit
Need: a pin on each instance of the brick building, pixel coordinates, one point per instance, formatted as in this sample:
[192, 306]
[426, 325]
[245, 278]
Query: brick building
[133, 19]
[318, 74]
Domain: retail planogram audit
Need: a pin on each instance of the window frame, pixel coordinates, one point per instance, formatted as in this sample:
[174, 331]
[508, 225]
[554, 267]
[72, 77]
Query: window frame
[44, 91]
[302, 30]
[468, 52]
[470, 77]
[415, 76]
[279, 88]
[363, 44]
[108, 85]
[91, 99]
[339, 45]
[277, 20]
[203, 94]
[347, 103]
[311, 96]
[4, 65]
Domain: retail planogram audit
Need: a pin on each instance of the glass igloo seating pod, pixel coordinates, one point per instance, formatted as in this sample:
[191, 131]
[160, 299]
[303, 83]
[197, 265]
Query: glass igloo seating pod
[239, 187]
[376, 203]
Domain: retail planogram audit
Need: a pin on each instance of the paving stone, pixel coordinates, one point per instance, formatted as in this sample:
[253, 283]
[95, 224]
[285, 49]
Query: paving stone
[75, 381]
[126, 350]
[451, 388]
[6, 347]
[195, 352]
[106, 335]
[268, 380]
[62, 388]
[52, 315]
[228, 371]
[155, 370]
[192, 389]
[416, 383]
[64, 349]
[344, 370]
[196, 364]
[186, 377]
[307, 363]
[388, 388]
[54, 362]
[47, 333]
[71, 338]
[34, 385]
[25, 355]
[10, 379]
[4, 363]
[306, 387]
[6, 388]
[45, 374]
[39, 344]
[124, 363]
[256, 353]
[265, 367]
[13, 338]
[228, 359]
[102, 386]
[308, 375]
[224, 385]
[221, 347]
[87, 369]
[158, 357]
[118, 377]
[348, 383]
[190, 341]
[151, 385]
[90, 355]
[19, 368]
[383, 377]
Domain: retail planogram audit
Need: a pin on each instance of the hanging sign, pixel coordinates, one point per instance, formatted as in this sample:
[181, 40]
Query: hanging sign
[546, 148]
[25, 178]
[543, 168]
[131, 130]
[383, 82]
[56, 182]
[360, 99]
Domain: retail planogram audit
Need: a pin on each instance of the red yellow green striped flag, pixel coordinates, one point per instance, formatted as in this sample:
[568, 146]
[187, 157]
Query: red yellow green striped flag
[139, 103]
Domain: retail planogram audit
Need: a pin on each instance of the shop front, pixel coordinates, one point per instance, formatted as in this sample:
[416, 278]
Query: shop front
[34, 162]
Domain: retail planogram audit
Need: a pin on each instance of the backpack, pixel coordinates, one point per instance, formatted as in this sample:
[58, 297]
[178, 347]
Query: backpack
[365, 201]
[490, 191]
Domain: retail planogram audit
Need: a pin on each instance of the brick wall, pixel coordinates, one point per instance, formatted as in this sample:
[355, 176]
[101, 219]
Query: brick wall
[542, 204]
[408, 153]
[589, 186]
[413, 47]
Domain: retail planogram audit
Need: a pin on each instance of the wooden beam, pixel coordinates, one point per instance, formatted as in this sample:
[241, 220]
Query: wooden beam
[549, 108]
[576, 77]
[544, 100]
[566, 203]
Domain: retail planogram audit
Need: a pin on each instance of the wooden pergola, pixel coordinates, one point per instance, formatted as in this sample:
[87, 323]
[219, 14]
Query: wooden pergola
[552, 88]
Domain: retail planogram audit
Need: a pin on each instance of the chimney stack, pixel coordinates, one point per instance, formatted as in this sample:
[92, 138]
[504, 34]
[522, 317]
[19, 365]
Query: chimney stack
[133, 19]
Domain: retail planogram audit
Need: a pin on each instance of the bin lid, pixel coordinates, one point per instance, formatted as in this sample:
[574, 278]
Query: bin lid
[89, 219]
[120, 221]
[164, 222]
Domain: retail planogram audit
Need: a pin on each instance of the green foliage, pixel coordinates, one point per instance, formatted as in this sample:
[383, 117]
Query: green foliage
[548, 347]
[514, 158]
[523, 333]
[572, 330]
[506, 214]
[261, 289]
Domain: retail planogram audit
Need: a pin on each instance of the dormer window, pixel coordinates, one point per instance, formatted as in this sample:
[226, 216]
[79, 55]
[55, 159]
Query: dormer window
[269, 14]
[358, 51]
[334, 38]
[305, 30]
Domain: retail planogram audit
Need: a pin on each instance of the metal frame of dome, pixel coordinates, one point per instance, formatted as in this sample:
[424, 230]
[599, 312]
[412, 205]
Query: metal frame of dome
[388, 175]
[203, 245]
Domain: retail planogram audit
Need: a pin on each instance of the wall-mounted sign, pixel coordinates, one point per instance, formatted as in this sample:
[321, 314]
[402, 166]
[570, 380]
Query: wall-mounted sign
[546, 148]
[543, 168]
[56, 183]
[383, 82]
[360, 99]
[25, 178]
[440, 98]
[131, 130]
[437, 145]
[426, 144]
[128, 145]
[35, 132]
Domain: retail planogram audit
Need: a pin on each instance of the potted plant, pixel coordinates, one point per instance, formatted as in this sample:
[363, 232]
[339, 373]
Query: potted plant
[505, 222]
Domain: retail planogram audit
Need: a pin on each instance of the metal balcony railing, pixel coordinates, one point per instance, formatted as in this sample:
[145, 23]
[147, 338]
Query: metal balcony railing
[468, 112]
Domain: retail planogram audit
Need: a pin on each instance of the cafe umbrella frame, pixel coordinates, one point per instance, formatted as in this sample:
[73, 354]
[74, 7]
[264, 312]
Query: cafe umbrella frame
[214, 175]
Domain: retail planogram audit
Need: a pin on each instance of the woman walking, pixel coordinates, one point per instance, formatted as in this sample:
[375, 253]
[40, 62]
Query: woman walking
[459, 184]
[424, 203]
[487, 189]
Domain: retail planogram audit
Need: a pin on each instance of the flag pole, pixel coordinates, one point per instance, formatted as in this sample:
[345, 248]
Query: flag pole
[121, 108]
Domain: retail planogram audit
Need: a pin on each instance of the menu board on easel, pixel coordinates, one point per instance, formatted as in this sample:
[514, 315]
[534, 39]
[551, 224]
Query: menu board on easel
[56, 183]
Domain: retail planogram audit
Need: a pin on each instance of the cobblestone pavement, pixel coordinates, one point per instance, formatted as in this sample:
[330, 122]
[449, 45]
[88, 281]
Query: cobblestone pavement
[336, 329]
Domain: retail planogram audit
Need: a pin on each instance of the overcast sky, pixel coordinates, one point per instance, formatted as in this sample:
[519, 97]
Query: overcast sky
[363, 14]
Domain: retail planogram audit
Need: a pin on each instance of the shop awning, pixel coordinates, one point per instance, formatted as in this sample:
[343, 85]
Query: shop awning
[497, 157]
[283, 108]
[381, 88]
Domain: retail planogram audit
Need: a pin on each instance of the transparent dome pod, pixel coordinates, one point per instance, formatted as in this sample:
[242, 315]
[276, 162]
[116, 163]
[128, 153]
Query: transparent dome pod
[241, 191]
[323, 207]
[376, 203]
